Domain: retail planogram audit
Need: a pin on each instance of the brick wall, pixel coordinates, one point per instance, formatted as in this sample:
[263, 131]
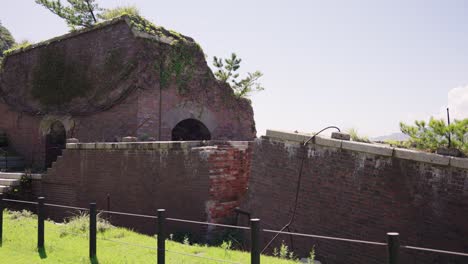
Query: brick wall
[124, 97]
[142, 177]
[359, 195]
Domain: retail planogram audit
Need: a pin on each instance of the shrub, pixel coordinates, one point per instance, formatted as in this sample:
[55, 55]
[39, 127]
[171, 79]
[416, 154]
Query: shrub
[436, 133]
[79, 224]
[109, 14]
[356, 137]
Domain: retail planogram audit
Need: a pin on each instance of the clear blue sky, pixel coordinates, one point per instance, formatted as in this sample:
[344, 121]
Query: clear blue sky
[363, 64]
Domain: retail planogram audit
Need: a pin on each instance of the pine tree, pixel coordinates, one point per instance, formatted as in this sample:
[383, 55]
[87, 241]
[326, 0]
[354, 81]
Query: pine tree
[227, 72]
[78, 13]
[6, 40]
[436, 133]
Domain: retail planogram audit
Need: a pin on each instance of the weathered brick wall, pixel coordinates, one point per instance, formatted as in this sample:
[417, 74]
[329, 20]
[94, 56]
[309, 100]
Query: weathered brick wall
[124, 95]
[359, 195]
[142, 177]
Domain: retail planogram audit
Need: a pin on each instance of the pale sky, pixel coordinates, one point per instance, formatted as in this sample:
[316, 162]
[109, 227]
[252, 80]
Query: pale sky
[355, 64]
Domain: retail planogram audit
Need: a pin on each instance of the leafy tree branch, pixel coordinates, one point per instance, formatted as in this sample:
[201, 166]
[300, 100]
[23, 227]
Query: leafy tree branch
[227, 72]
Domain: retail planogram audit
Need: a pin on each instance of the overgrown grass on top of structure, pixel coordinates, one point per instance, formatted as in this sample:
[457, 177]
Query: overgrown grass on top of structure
[68, 243]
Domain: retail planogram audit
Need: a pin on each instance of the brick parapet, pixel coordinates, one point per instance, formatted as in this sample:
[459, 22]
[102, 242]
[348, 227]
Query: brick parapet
[377, 149]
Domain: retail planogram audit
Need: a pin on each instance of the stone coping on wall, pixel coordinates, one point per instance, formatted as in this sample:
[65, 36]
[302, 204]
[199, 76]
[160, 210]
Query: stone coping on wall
[156, 145]
[377, 149]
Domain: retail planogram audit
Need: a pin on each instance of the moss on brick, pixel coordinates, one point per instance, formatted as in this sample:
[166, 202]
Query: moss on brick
[57, 81]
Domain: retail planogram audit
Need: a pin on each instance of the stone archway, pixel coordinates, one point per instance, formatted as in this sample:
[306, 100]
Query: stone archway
[190, 129]
[56, 140]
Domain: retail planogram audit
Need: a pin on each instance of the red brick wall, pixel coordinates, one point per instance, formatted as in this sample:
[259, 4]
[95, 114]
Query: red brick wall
[142, 177]
[359, 196]
[121, 103]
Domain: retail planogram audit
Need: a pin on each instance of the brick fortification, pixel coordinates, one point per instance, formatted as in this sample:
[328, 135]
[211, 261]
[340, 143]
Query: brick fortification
[360, 191]
[113, 81]
[202, 181]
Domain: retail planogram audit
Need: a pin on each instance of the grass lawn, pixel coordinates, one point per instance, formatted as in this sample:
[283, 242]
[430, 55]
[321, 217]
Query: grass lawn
[67, 243]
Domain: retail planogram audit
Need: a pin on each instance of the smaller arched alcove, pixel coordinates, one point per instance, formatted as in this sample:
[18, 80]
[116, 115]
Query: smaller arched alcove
[190, 129]
[56, 140]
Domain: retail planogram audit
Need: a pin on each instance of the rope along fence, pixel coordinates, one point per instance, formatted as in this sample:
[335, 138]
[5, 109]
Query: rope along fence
[392, 244]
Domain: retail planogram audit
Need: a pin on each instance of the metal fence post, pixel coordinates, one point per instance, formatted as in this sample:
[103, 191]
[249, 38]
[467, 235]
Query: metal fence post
[393, 244]
[1, 218]
[161, 236]
[92, 230]
[255, 241]
[40, 222]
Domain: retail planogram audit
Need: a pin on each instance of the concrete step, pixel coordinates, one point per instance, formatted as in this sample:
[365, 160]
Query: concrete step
[9, 182]
[4, 189]
[18, 175]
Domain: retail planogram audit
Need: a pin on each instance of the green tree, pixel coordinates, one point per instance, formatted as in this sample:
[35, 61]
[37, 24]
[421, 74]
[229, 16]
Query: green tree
[78, 13]
[6, 40]
[227, 72]
[436, 133]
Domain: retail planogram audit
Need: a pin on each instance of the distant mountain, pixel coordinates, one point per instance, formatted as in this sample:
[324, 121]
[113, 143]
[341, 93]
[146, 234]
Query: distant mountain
[394, 136]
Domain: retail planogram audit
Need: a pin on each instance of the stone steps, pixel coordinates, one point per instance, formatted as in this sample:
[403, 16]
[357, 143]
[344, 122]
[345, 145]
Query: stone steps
[7, 184]
[12, 179]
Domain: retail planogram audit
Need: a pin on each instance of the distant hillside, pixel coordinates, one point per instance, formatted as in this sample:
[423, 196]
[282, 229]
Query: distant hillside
[394, 136]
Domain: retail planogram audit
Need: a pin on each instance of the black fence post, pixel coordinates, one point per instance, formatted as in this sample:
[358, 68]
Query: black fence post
[92, 230]
[255, 241]
[40, 222]
[1, 218]
[393, 244]
[108, 207]
[161, 236]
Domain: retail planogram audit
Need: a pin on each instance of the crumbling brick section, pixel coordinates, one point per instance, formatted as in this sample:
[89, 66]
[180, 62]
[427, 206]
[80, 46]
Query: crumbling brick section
[229, 168]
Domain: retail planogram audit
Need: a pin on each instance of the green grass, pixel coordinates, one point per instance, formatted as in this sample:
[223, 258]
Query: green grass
[67, 243]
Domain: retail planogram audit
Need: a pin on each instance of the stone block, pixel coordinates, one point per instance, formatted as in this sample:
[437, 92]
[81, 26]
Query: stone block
[129, 139]
[328, 142]
[367, 148]
[72, 140]
[87, 146]
[287, 135]
[461, 163]
[72, 145]
[340, 136]
[452, 152]
[421, 156]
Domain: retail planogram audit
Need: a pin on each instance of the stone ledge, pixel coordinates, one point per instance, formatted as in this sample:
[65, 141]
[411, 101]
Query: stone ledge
[367, 148]
[371, 148]
[459, 163]
[328, 142]
[155, 145]
[421, 156]
[288, 135]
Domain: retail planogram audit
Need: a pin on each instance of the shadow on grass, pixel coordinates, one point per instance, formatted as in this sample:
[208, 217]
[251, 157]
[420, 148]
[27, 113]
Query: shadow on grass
[42, 253]
[94, 260]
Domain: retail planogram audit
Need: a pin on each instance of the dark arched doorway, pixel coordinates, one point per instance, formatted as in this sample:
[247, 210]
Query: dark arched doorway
[55, 141]
[190, 129]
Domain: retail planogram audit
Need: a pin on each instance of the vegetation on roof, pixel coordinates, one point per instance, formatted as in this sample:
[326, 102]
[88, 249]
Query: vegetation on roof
[436, 133]
[227, 73]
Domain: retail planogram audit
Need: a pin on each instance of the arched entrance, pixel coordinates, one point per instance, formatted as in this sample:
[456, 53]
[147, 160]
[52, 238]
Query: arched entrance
[190, 129]
[56, 140]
